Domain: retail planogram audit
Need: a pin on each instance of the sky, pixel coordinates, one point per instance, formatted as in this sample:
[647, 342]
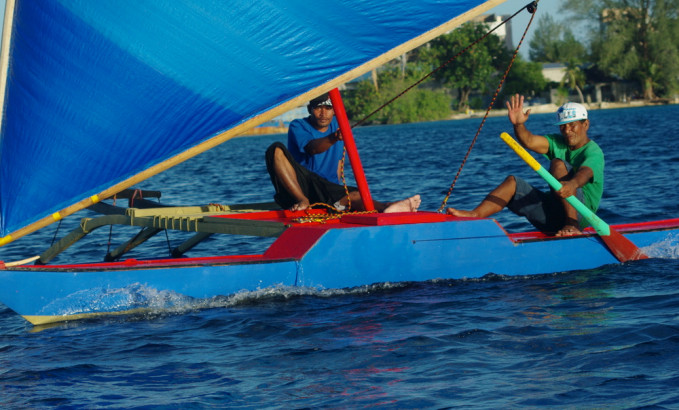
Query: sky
[519, 22]
[2, 13]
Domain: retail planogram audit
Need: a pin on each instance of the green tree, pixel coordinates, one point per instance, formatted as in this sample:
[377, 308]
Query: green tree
[636, 40]
[525, 77]
[418, 104]
[471, 71]
[666, 44]
[554, 42]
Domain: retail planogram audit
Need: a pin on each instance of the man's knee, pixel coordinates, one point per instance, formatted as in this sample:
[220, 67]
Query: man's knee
[275, 154]
[510, 182]
[273, 149]
[558, 168]
[557, 163]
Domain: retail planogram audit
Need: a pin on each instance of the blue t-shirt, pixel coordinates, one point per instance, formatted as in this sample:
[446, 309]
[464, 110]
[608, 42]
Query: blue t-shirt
[324, 164]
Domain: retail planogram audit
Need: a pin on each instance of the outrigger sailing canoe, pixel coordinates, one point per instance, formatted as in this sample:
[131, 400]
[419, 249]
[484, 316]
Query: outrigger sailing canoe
[162, 81]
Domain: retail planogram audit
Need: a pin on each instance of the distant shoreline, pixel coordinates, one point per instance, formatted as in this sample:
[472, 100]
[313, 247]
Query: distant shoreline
[535, 109]
[551, 108]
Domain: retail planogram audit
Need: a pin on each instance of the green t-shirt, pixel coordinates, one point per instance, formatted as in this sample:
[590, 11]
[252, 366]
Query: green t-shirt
[589, 155]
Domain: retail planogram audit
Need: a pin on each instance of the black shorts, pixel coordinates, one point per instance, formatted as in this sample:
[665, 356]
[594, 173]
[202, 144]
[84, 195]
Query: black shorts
[315, 187]
[542, 209]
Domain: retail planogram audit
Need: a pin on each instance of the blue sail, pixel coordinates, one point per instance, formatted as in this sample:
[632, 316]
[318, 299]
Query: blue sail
[99, 95]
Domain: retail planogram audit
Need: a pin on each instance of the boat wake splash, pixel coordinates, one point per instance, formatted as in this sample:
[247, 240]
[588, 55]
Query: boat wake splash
[665, 249]
[135, 296]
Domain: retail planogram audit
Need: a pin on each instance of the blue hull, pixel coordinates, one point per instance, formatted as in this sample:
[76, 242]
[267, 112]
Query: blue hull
[329, 256]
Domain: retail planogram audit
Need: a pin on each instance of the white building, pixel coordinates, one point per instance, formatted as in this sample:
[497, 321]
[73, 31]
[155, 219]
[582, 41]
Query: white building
[553, 72]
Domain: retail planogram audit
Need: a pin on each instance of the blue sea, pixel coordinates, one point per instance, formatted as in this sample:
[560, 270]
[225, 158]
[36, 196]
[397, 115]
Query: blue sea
[606, 338]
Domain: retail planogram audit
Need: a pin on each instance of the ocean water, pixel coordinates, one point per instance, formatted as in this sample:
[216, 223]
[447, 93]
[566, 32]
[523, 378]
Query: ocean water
[601, 338]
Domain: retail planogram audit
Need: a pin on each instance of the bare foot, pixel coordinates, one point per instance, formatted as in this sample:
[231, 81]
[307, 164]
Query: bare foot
[461, 213]
[301, 205]
[406, 205]
[568, 230]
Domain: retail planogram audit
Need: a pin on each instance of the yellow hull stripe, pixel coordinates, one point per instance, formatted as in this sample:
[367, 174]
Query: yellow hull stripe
[44, 320]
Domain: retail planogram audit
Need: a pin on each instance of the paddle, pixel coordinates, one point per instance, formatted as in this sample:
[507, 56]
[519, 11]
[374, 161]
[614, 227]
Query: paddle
[622, 248]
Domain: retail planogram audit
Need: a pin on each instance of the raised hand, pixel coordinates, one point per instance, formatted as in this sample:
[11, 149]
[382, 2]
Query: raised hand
[515, 110]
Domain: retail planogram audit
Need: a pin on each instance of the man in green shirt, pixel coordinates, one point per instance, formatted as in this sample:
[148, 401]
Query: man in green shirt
[575, 160]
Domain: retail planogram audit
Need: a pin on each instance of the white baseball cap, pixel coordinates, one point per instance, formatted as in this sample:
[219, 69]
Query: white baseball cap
[570, 112]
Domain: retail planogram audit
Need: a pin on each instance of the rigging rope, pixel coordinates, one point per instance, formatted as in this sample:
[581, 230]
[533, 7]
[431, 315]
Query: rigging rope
[531, 8]
[54, 238]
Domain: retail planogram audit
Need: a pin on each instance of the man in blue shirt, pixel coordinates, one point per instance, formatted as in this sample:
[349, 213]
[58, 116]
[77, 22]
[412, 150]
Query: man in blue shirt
[308, 170]
[315, 141]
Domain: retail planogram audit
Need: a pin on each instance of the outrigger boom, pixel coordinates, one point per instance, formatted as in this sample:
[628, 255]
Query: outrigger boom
[153, 219]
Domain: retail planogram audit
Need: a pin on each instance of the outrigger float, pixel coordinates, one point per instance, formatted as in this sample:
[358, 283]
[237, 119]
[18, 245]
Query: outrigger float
[160, 82]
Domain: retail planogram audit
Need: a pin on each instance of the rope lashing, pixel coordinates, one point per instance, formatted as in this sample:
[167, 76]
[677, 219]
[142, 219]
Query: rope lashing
[323, 218]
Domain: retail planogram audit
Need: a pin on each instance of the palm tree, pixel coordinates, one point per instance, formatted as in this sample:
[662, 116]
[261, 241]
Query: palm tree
[575, 78]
